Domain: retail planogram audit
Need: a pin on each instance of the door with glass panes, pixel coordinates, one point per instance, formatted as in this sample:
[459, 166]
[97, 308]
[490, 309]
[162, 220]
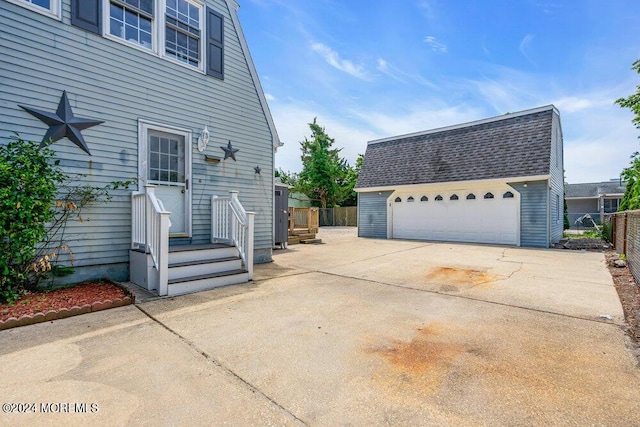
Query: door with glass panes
[168, 170]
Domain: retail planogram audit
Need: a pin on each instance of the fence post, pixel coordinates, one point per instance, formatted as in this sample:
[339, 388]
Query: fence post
[624, 236]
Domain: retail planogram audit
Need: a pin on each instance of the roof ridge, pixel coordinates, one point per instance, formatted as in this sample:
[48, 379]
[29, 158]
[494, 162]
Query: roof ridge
[504, 116]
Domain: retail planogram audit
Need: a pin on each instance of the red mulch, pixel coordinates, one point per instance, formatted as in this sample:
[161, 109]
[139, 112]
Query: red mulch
[41, 302]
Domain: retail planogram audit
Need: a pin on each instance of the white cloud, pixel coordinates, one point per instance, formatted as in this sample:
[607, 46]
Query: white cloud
[395, 73]
[269, 97]
[525, 46]
[436, 46]
[333, 58]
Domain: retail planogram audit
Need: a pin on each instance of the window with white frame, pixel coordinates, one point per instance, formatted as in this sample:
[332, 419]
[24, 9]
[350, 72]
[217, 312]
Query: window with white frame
[47, 7]
[179, 27]
[132, 20]
[182, 32]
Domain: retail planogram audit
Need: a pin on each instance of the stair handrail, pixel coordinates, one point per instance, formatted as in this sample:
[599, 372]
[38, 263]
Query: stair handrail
[231, 223]
[150, 231]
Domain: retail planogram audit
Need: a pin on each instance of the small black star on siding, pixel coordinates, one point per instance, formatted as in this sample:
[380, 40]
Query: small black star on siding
[63, 123]
[229, 151]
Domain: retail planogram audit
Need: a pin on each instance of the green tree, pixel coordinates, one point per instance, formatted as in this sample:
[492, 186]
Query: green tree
[631, 174]
[350, 181]
[290, 178]
[323, 171]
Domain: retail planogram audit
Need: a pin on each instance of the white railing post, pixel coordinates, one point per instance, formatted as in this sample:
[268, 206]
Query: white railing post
[150, 191]
[163, 254]
[250, 220]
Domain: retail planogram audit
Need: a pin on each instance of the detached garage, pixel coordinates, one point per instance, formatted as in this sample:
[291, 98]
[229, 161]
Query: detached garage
[496, 181]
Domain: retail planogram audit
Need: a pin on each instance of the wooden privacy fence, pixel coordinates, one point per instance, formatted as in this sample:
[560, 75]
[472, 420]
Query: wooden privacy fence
[625, 237]
[346, 216]
[303, 218]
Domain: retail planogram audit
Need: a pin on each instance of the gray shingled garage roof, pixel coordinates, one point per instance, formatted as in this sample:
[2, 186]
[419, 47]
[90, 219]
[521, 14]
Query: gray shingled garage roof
[509, 146]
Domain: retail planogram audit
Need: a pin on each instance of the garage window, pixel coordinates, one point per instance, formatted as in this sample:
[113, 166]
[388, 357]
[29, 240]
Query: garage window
[398, 200]
[488, 196]
[410, 199]
[424, 199]
[453, 197]
[507, 195]
[471, 196]
[438, 198]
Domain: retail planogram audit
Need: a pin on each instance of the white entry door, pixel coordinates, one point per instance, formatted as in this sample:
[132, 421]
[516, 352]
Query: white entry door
[167, 167]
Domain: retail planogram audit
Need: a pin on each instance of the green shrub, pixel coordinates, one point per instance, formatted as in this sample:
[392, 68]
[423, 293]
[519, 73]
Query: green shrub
[37, 200]
[29, 177]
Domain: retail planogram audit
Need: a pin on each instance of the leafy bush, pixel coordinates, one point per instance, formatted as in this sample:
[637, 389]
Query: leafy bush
[29, 177]
[37, 200]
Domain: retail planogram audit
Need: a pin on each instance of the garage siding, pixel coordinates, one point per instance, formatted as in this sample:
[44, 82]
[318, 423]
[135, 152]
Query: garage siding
[372, 214]
[556, 215]
[533, 213]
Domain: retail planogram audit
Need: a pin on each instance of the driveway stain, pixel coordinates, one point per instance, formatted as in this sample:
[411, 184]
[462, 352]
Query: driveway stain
[454, 279]
[419, 365]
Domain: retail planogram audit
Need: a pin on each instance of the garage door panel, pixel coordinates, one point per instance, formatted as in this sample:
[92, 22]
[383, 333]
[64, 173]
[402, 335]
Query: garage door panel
[493, 220]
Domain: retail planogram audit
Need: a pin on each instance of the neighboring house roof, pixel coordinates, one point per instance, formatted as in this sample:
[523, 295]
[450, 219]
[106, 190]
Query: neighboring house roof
[593, 190]
[508, 146]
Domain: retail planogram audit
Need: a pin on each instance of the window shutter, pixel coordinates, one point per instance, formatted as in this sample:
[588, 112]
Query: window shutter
[214, 44]
[86, 14]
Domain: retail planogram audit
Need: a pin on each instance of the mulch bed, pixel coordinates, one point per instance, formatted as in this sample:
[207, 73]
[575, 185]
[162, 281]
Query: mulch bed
[629, 294]
[59, 303]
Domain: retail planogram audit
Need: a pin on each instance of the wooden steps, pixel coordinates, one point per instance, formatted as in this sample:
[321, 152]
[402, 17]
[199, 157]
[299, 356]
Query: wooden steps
[304, 236]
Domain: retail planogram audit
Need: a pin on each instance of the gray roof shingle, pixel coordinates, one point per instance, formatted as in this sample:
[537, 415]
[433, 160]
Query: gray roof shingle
[593, 189]
[514, 145]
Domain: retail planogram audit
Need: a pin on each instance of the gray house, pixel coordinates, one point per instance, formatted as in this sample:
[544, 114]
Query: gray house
[595, 199]
[162, 91]
[498, 180]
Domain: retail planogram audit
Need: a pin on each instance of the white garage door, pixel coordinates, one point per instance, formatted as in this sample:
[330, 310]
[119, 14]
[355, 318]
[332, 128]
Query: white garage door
[484, 216]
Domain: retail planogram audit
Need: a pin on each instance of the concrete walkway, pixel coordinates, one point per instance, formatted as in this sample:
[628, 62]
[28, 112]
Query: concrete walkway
[352, 331]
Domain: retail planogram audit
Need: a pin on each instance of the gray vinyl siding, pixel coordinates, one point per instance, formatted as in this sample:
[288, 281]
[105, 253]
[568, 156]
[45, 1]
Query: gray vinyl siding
[533, 213]
[556, 214]
[111, 81]
[372, 214]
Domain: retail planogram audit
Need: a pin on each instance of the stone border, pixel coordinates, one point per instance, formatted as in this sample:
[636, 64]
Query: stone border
[30, 319]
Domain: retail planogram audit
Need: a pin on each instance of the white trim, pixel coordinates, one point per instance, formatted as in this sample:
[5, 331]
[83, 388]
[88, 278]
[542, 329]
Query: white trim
[454, 184]
[143, 131]
[55, 11]
[233, 11]
[469, 124]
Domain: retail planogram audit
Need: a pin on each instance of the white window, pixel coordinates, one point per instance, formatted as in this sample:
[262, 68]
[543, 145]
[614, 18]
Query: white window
[132, 20]
[170, 28]
[46, 7]
[183, 29]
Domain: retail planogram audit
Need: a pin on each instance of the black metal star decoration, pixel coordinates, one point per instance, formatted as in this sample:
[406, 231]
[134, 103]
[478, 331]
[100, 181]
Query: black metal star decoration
[257, 169]
[63, 123]
[229, 151]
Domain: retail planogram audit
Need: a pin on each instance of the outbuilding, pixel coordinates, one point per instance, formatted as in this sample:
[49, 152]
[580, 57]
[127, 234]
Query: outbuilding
[497, 181]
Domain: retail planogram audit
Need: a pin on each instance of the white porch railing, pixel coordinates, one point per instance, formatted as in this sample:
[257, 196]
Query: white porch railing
[150, 231]
[230, 223]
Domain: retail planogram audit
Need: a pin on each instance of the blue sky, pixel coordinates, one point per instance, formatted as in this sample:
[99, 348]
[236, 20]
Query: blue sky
[373, 69]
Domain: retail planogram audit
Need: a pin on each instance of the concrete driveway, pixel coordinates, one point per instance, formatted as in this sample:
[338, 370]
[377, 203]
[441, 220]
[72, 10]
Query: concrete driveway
[353, 331]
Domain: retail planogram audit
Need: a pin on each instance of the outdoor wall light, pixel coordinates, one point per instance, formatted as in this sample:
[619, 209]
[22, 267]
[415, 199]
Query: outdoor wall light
[203, 140]
[524, 185]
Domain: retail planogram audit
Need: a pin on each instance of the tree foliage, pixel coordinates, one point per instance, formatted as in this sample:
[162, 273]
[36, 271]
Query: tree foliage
[325, 176]
[631, 174]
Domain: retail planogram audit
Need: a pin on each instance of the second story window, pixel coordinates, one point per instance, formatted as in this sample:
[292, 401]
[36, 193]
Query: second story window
[132, 20]
[46, 7]
[182, 32]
